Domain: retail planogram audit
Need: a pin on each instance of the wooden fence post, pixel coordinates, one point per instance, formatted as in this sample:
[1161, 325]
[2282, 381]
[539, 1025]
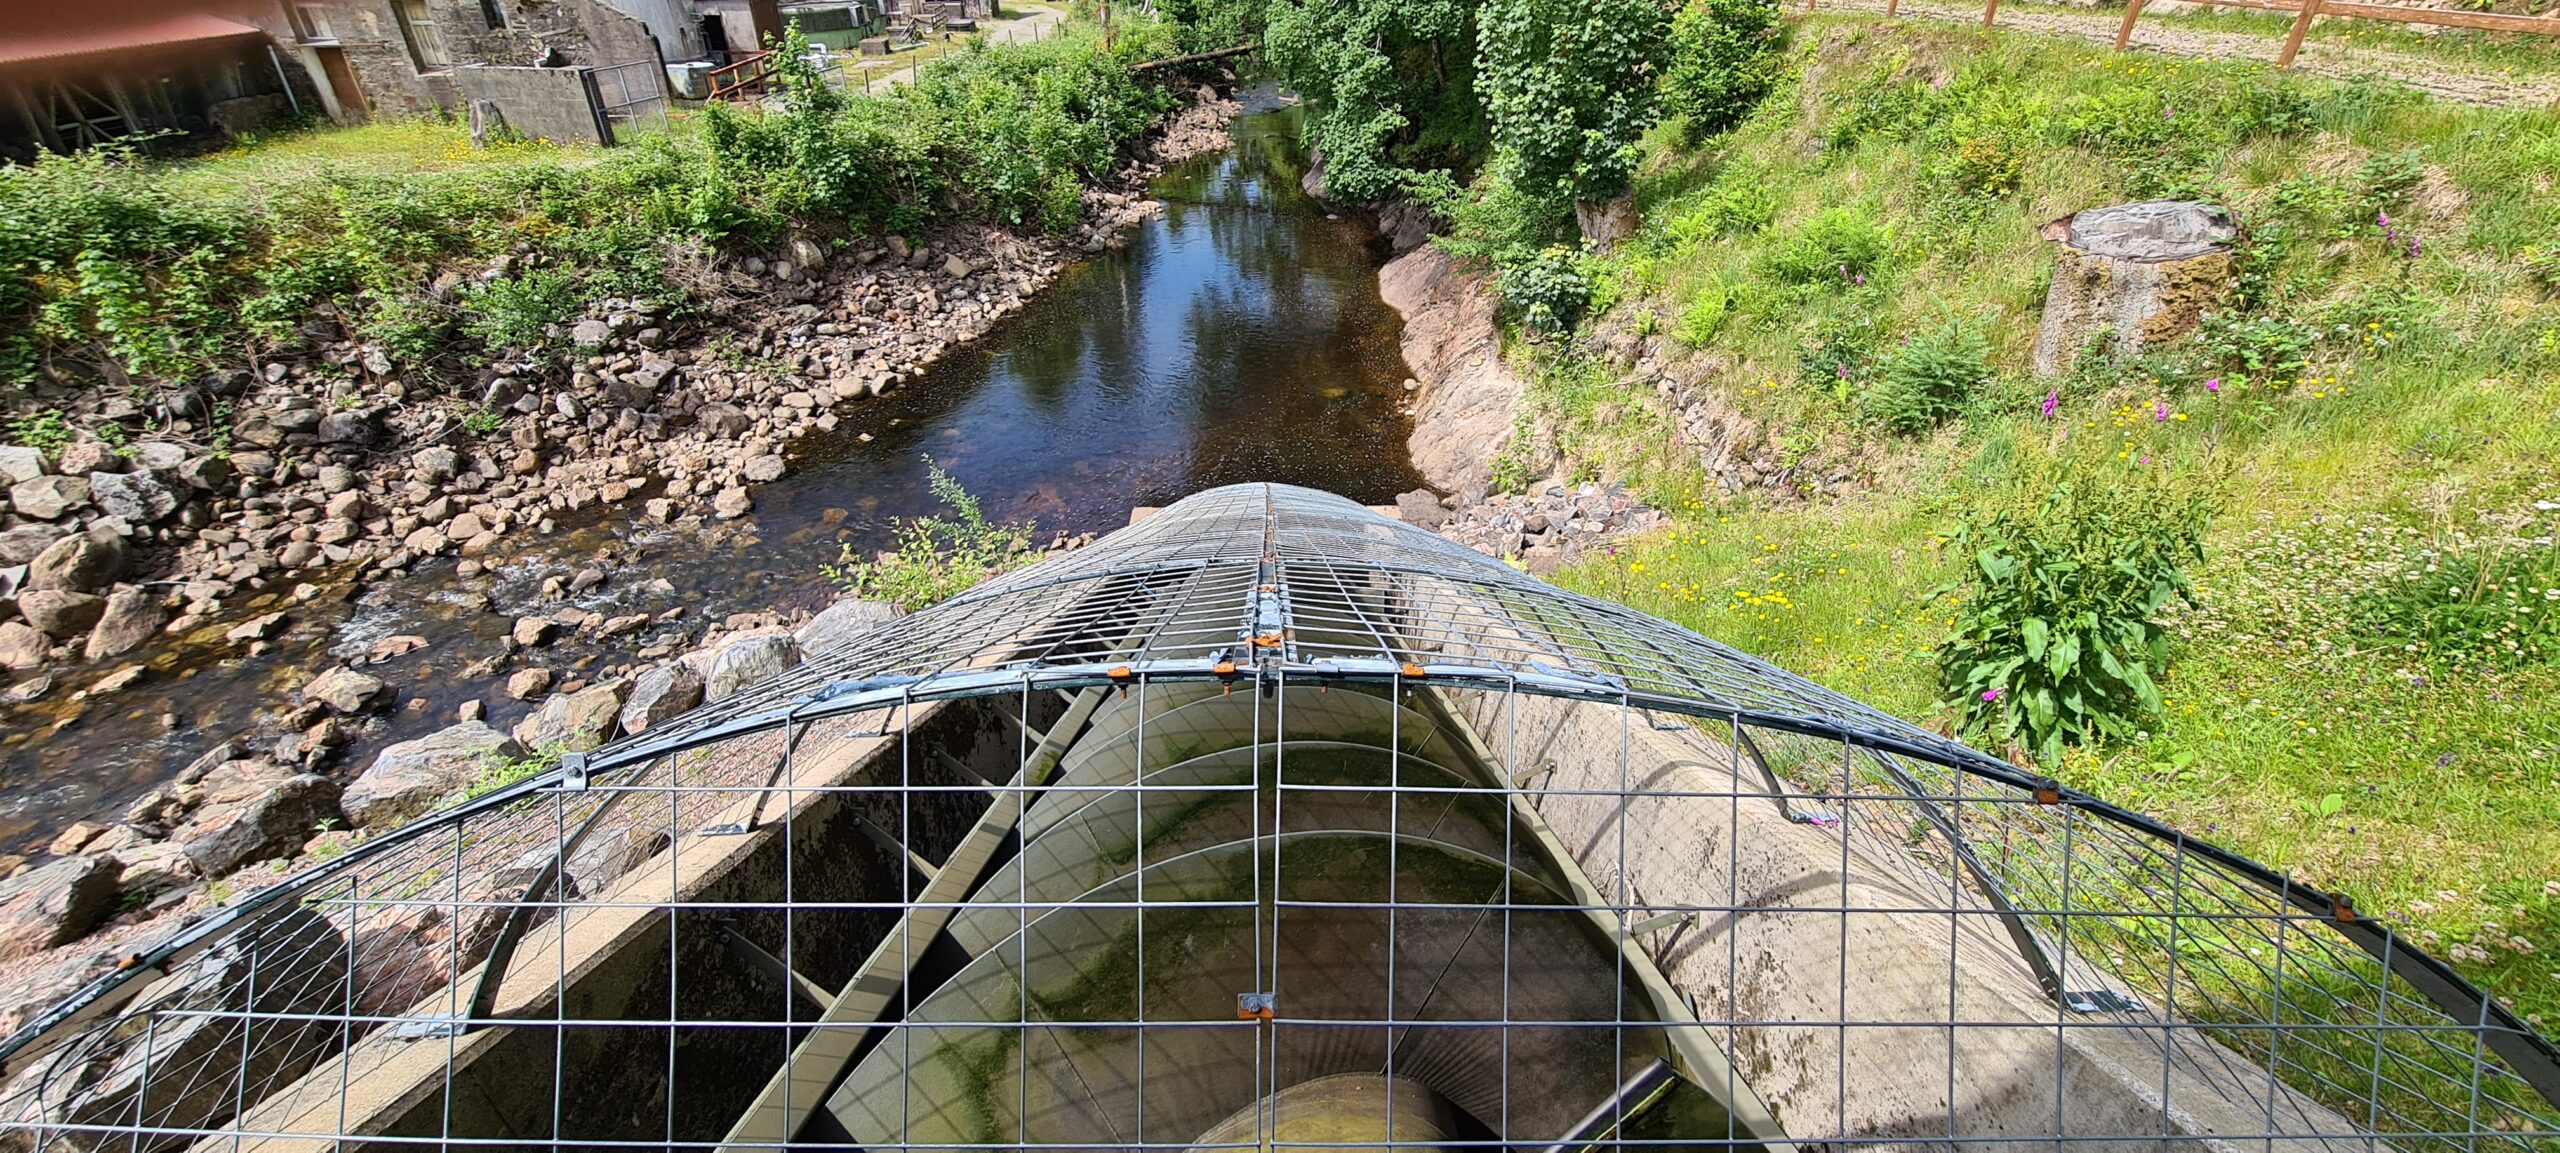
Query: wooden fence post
[2293, 39]
[1990, 8]
[2124, 31]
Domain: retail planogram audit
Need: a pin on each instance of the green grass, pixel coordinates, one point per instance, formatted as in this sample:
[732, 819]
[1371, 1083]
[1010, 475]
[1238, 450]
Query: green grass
[2443, 418]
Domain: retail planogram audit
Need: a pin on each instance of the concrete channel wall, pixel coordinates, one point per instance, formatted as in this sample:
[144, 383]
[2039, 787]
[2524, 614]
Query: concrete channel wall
[1843, 982]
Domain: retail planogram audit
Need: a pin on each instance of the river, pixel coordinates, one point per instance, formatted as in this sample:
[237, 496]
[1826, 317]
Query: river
[1238, 337]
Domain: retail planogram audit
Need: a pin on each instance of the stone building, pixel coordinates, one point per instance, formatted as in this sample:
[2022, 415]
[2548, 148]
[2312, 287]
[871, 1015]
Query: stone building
[75, 76]
[397, 57]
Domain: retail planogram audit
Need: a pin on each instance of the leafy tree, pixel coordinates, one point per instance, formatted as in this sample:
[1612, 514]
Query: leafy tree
[1724, 60]
[1570, 86]
[1390, 90]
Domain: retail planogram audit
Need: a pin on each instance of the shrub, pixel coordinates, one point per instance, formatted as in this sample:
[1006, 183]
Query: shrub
[1703, 315]
[1739, 203]
[1840, 244]
[515, 312]
[2067, 570]
[937, 557]
[1547, 291]
[2386, 180]
[2264, 348]
[1502, 219]
[1724, 60]
[1841, 356]
[1985, 165]
[1929, 378]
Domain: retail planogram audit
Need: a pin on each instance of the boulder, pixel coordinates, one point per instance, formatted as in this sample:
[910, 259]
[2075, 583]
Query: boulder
[87, 456]
[49, 497]
[207, 473]
[345, 690]
[749, 661]
[81, 562]
[573, 722]
[21, 646]
[156, 454]
[732, 502]
[407, 778]
[2133, 276]
[533, 632]
[722, 421]
[145, 496]
[238, 1022]
[590, 334]
[133, 615]
[255, 811]
[527, 684]
[20, 463]
[61, 613]
[1421, 509]
[28, 541]
[436, 463]
[668, 690]
[155, 867]
[351, 429]
[841, 623]
[769, 467]
[55, 903]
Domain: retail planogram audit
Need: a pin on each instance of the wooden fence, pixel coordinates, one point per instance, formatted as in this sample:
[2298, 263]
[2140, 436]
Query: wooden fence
[2305, 10]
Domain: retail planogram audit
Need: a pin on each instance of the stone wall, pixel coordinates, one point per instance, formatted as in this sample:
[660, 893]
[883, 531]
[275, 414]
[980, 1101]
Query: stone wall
[383, 51]
[554, 104]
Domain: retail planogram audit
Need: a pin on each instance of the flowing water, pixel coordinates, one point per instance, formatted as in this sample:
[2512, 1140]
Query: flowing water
[1239, 337]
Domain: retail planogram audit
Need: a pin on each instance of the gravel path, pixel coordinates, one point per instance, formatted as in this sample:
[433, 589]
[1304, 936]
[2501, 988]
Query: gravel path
[2337, 61]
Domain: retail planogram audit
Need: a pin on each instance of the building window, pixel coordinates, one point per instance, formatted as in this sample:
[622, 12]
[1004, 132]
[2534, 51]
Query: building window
[495, 15]
[426, 41]
[311, 25]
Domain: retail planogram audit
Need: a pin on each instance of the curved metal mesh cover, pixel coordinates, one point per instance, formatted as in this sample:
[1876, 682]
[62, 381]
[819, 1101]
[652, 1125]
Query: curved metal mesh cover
[1269, 807]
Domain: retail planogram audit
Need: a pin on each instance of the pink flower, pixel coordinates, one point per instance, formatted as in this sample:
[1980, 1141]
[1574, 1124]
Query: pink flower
[2213, 384]
[1990, 694]
[2052, 401]
[2160, 411]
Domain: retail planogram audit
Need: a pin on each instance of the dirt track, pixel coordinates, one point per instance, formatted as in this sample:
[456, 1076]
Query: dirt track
[2437, 78]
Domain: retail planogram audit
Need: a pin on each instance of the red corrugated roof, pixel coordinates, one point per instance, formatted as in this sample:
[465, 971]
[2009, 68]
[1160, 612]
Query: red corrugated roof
[27, 42]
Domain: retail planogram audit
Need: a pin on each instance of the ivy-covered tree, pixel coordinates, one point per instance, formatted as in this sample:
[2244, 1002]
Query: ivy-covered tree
[1390, 91]
[1569, 86]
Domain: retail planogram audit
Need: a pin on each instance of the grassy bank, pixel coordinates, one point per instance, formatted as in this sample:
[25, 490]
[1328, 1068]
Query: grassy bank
[414, 241]
[2361, 687]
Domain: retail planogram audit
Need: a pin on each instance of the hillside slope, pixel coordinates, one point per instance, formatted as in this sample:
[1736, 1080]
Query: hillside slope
[2361, 687]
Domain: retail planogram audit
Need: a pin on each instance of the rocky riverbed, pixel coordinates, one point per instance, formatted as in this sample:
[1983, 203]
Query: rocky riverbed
[337, 465]
[263, 493]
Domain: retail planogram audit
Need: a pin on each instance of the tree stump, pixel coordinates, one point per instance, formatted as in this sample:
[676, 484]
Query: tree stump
[2131, 277]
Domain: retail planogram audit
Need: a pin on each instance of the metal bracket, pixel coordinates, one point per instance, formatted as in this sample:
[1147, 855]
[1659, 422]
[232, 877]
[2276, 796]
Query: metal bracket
[573, 772]
[2100, 1001]
[775, 967]
[1257, 1006]
[427, 1028]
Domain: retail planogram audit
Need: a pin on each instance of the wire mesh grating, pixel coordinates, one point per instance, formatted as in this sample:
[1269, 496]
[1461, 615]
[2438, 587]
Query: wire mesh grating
[1268, 821]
